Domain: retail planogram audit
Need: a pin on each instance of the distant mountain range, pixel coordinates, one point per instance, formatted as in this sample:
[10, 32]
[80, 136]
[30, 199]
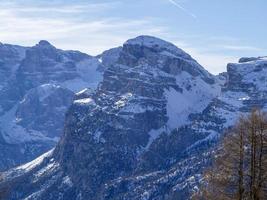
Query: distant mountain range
[141, 120]
[37, 85]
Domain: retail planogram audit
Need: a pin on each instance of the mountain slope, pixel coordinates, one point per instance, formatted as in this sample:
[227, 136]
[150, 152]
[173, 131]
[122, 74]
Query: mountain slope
[143, 96]
[147, 131]
[37, 86]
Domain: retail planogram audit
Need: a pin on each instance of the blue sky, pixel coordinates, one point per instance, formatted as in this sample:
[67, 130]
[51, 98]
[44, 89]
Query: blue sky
[215, 32]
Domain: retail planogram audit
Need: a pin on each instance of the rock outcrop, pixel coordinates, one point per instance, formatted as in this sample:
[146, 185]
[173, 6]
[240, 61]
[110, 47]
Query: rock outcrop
[147, 131]
[37, 85]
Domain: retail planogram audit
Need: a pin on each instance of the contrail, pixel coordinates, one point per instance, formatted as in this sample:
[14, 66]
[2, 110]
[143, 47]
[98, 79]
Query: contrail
[182, 8]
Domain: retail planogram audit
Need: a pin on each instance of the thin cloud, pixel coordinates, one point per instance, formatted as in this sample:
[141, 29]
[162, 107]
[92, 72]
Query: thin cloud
[86, 30]
[92, 35]
[40, 9]
[182, 8]
[241, 48]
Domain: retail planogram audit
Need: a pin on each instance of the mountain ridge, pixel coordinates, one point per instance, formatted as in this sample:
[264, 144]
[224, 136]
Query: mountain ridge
[146, 132]
[26, 114]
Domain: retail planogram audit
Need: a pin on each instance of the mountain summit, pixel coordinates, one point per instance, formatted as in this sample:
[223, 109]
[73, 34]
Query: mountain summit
[145, 132]
[37, 85]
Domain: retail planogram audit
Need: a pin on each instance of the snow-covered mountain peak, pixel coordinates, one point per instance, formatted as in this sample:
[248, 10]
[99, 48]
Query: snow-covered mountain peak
[37, 86]
[158, 45]
[157, 56]
[145, 132]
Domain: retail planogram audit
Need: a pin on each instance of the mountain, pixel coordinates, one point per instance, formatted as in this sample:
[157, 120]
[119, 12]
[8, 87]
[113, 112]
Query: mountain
[146, 132]
[37, 85]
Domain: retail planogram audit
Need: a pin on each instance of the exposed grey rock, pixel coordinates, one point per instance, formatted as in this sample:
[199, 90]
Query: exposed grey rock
[249, 59]
[110, 57]
[146, 132]
[123, 128]
[43, 109]
[37, 85]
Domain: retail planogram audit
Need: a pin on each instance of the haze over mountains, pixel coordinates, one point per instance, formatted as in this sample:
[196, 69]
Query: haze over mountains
[141, 120]
[37, 86]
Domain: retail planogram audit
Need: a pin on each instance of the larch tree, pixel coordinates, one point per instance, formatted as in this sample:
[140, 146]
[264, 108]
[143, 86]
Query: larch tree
[239, 171]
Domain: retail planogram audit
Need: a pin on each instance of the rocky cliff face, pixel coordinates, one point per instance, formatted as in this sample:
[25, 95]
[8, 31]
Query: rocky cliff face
[141, 97]
[147, 131]
[37, 85]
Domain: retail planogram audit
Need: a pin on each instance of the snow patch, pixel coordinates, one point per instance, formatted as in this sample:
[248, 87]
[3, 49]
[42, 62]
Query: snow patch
[194, 98]
[123, 100]
[77, 84]
[82, 91]
[89, 76]
[14, 133]
[67, 181]
[48, 168]
[29, 166]
[46, 90]
[212, 136]
[153, 135]
[85, 101]
[153, 42]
